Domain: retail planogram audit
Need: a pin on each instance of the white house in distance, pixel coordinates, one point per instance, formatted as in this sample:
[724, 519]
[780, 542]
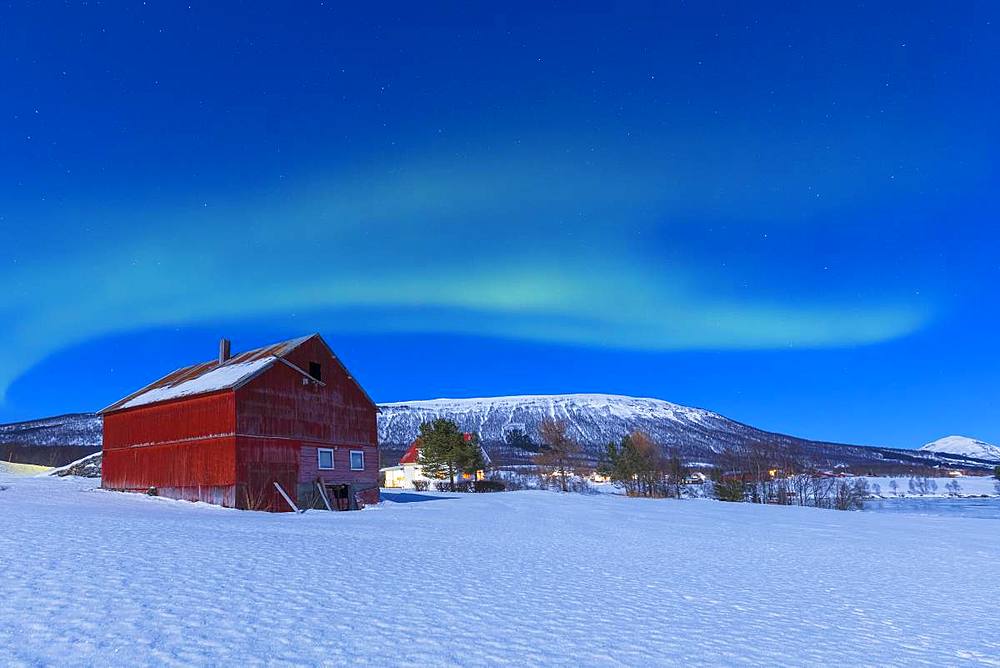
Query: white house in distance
[409, 470]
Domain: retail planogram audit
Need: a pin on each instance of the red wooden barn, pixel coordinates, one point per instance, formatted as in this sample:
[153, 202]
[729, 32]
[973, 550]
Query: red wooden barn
[225, 431]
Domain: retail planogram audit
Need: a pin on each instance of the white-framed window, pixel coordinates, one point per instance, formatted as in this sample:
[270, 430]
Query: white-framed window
[324, 459]
[357, 460]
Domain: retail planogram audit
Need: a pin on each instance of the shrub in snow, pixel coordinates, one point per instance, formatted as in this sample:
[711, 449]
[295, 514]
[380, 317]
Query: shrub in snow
[488, 486]
[729, 489]
[445, 486]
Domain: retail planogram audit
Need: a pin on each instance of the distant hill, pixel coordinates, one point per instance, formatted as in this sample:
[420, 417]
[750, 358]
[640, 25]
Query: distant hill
[508, 427]
[965, 446]
[53, 441]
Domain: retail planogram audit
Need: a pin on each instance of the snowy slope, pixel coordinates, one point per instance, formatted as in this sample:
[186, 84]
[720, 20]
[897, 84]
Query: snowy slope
[534, 578]
[83, 429]
[962, 445]
[51, 441]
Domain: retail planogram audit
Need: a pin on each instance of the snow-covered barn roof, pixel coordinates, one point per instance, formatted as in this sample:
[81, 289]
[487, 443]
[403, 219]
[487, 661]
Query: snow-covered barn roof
[212, 376]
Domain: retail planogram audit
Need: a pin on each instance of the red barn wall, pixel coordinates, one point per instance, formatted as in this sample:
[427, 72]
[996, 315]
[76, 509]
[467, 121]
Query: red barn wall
[203, 470]
[309, 469]
[209, 415]
[186, 449]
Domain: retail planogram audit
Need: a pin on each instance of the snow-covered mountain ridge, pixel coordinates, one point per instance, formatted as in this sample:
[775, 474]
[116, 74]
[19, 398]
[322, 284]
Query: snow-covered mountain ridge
[965, 446]
[508, 427]
[594, 419]
[597, 419]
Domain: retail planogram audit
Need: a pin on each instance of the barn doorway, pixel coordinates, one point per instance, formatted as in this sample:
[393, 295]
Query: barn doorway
[259, 491]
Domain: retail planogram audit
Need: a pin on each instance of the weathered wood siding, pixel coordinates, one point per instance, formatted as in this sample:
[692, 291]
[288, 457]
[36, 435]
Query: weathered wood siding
[186, 449]
[209, 462]
[203, 416]
[309, 470]
[261, 462]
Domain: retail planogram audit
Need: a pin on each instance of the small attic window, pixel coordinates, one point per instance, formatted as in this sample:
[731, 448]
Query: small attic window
[316, 370]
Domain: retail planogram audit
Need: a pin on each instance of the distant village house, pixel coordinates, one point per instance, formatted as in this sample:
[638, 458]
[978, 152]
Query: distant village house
[408, 474]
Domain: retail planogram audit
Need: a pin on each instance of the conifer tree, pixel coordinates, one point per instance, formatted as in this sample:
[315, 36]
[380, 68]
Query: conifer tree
[445, 451]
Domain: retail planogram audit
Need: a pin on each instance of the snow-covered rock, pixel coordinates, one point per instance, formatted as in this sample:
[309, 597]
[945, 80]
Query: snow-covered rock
[85, 467]
[965, 446]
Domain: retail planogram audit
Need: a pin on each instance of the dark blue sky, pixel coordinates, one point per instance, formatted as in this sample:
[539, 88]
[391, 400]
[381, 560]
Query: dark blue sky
[786, 214]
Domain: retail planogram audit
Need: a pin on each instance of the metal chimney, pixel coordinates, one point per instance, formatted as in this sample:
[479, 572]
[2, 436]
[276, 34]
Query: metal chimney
[224, 353]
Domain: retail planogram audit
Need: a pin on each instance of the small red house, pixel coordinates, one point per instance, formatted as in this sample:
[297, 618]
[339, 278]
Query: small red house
[225, 431]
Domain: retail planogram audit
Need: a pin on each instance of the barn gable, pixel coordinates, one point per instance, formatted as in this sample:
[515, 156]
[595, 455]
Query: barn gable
[229, 374]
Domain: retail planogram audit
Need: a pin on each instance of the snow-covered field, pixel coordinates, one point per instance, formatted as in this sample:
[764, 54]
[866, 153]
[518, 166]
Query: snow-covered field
[967, 486]
[525, 578]
[14, 468]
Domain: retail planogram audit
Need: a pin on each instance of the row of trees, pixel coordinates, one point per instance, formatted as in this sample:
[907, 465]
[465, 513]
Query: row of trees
[919, 486]
[760, 473]
[636, 463]
[800, 489]
[766, 473]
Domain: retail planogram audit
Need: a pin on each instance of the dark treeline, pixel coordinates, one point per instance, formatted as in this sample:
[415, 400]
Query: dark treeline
[782, 475]
[752, 474]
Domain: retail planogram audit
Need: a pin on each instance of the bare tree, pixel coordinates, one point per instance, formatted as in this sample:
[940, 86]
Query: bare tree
[676, 472]
[850, 495]
[560, 452]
